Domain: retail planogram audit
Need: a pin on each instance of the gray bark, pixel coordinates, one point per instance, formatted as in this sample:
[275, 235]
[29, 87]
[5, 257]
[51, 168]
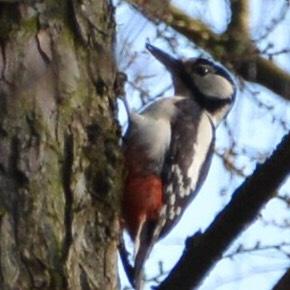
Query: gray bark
[60, 171]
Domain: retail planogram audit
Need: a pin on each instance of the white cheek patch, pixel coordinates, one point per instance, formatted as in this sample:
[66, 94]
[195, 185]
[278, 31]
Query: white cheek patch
[213, 85]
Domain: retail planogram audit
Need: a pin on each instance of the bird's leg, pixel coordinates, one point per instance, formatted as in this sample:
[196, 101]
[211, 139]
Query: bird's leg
[119, 88]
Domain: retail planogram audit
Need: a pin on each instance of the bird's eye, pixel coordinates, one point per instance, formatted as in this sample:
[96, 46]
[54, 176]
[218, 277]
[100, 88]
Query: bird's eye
[201, 70]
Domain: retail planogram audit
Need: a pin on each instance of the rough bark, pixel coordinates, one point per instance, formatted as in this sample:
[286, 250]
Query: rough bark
[59, 155]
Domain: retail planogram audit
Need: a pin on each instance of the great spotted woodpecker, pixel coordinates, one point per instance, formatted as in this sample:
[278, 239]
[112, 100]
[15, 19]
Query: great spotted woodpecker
[168, 149]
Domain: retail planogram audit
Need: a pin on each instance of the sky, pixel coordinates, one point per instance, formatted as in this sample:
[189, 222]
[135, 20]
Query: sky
[254, 127]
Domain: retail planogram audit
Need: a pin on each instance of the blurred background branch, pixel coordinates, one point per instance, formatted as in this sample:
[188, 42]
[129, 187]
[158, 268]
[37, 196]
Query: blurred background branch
[234, 47]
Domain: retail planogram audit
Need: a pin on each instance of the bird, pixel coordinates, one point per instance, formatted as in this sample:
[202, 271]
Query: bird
[168, 149]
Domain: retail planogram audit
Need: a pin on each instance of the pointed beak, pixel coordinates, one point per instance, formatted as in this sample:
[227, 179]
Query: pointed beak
[171, 63]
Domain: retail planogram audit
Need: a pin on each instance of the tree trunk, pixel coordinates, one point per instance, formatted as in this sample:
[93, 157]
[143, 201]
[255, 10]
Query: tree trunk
[60, 172]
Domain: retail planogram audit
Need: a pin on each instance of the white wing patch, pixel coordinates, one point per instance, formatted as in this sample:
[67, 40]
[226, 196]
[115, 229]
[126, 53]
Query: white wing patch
[201, 147]
[187, 171]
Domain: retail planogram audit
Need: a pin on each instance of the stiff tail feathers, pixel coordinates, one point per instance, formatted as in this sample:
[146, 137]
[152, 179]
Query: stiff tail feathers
[147, 235]
[142, 249]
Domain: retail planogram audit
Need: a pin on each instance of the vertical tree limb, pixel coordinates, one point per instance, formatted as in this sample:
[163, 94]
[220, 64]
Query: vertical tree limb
[60, 165]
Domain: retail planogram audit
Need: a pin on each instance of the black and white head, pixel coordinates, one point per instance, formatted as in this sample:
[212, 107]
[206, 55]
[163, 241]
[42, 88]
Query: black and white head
[209, 84]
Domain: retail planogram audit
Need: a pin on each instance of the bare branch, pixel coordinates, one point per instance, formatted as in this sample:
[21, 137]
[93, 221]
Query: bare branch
[267, 73]
[257, 247]
[196, 30]
[203, 250]
[229, 163]
[236, 50]
[193, 29]
[274, 22]
[285, 198]
[240, 17]
[284, 282]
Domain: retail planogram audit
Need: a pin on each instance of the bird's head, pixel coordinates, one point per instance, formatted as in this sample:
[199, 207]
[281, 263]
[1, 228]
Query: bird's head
[209, 84]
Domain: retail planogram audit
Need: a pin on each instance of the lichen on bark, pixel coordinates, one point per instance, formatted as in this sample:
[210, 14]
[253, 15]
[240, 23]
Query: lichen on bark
[60, 163]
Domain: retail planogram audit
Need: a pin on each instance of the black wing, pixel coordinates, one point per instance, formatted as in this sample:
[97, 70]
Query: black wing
[187, 162]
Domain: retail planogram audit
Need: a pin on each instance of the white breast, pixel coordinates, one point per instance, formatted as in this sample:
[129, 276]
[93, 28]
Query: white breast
[154, 134]
[153, 127]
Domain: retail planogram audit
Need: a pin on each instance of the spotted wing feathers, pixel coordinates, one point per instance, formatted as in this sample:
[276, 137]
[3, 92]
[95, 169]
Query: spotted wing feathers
[187, 161]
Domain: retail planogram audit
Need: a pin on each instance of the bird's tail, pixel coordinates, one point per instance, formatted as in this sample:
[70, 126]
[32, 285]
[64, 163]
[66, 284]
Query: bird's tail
[144, 242]
[141, 252]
